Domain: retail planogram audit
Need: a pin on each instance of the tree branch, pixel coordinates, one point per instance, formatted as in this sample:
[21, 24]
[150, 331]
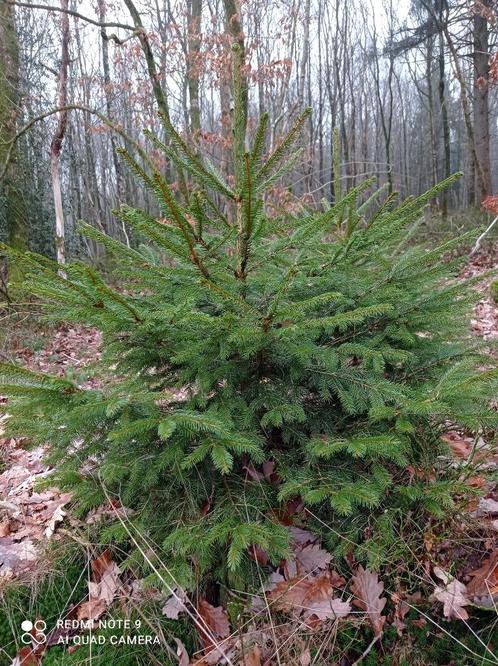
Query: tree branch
[71, 107]
[53, 8]
[154, 74]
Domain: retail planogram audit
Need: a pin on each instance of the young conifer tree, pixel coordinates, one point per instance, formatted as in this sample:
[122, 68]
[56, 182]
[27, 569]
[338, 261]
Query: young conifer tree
[258, 371]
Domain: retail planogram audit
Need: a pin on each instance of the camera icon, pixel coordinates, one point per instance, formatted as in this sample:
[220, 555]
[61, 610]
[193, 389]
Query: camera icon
[37, 636]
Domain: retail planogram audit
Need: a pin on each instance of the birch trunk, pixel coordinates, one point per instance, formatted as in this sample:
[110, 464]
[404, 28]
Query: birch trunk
[58, 138]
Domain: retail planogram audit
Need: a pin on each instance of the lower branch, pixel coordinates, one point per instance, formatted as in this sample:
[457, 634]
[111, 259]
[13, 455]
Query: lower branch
[70, 107]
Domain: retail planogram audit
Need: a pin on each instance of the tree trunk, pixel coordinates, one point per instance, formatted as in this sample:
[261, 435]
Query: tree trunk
[466, 108]
[154, 74]
[233, 25]
[13, 223]
[193, 63]
[481, 105]
[58, 138]
[445, 124]
[120, 182]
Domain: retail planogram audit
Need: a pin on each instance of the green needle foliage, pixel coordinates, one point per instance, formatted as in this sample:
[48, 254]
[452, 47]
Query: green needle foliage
[258, 370]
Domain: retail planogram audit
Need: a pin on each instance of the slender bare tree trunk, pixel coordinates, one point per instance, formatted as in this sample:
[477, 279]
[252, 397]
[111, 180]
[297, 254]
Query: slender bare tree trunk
[154, 74]
[445, 124]
[305, 53]
[464, 98]
[481, 104]
[193, 64]
[233, 27]
[430, 101]
[120, 182]
[233, 24]
[58, 138]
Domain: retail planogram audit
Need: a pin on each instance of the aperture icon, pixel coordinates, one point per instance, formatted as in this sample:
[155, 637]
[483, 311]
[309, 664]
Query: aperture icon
[33, 633]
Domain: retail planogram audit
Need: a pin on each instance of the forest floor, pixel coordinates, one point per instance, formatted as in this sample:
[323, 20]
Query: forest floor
[30, 519]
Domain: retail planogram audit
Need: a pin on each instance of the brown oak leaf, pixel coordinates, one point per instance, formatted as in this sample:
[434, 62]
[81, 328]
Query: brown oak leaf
[453, 596]
[368, 591]
[484, 581]
[175, 604]
[309, 596]
[312, 558]
[215, 617]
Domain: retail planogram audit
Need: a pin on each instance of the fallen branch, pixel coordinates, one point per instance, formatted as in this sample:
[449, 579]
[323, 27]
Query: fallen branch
[482, 236]
[368, 650]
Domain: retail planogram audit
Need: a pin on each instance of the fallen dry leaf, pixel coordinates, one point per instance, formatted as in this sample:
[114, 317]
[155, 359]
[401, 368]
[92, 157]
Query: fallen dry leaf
[105, 579]
[181, 653]
[5, 528]
[452, 595]
[312, 558]
[175, 604]
[215, 617]
[112, 509]
[401, 608]
[15, 557]
[27, 657]
[460, 446]
[305, 658]
[301, 537]
[102, 588]
[107, 587]
[487, 506]
[57, 517]
[258, 554]
[484, 581]
[368, 591]
[91, 610]
[253, 658]
[310, 597]
[216, 623]
[328, 609]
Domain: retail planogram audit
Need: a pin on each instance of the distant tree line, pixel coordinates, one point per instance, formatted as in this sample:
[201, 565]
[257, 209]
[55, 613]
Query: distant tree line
[408, 98]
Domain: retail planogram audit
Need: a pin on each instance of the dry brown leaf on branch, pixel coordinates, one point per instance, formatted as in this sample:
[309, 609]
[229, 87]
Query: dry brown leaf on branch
[368, 591]
[453, 596]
